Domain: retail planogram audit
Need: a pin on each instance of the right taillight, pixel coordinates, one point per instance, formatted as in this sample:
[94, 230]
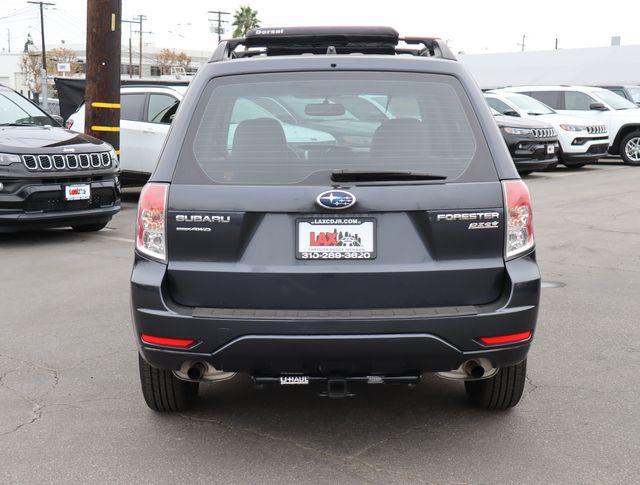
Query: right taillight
[151, 234]
[519, 218]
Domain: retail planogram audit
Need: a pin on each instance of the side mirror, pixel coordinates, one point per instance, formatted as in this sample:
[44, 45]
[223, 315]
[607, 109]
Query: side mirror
[511, 112]
[58, 119]
[598, 107]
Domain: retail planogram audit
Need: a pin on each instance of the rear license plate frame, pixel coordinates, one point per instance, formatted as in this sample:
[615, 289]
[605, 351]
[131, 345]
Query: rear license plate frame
[329, 252]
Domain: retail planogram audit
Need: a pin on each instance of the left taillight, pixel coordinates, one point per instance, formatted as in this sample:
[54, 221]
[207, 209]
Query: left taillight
[519, 238]
[151, 233]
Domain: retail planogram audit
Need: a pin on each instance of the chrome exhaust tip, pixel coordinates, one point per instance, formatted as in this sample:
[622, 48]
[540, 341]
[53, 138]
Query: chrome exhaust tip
[201, 372]
[470, 370]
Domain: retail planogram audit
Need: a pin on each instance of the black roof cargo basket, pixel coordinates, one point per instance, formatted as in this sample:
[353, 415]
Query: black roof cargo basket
[329, 40]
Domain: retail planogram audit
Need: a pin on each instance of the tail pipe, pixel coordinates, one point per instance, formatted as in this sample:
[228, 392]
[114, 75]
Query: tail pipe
[471, 369]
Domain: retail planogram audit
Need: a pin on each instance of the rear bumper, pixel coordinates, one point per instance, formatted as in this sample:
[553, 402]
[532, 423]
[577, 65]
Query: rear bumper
[355, 342]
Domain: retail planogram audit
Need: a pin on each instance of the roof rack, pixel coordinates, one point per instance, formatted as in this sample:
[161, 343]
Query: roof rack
[329, 40]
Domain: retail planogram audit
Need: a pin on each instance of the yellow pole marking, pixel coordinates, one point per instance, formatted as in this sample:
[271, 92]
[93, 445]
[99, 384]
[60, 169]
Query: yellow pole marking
[105, 128]
[113, 22]
[98, 104]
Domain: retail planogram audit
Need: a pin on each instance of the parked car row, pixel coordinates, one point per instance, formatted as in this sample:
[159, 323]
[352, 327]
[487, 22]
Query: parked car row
[57, 177]
[621, 116]
[551, 130]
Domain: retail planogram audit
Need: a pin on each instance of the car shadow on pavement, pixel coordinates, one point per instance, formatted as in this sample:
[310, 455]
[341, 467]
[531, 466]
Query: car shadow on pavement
[344, 427]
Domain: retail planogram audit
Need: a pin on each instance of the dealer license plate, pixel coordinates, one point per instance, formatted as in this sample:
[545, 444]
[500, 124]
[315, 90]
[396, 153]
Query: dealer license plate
[77, 192]
[336, 238]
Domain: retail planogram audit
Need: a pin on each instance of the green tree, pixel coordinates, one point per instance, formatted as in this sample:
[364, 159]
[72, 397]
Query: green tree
[245, 19]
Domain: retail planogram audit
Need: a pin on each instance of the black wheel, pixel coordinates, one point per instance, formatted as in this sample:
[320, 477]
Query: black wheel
[574, 165]
[501, 391]
[90, 227]
[525, 173]
[630, 149]
[163, 391]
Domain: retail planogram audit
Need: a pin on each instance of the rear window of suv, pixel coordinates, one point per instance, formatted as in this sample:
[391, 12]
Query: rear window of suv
[290, 128]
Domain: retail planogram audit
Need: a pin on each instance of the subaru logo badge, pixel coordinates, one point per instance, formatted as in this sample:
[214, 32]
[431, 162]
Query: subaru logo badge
[336, 199]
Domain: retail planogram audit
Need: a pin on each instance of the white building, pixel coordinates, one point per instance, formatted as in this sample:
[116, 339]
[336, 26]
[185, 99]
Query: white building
[11, 75]
[615, 65]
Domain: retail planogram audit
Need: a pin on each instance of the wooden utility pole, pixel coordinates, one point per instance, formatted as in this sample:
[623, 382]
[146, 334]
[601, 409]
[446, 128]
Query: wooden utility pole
[130, 47]
[44, 102]
[44, 50]
[102, 92]
[140, 19]
[219, 28]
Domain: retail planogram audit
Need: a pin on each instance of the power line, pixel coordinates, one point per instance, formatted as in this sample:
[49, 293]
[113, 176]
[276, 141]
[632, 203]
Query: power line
[20, 11]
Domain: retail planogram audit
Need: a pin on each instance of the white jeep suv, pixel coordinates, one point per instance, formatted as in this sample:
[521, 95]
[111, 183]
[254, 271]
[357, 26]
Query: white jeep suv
[581, 142]
[146, 112]
[598, 105]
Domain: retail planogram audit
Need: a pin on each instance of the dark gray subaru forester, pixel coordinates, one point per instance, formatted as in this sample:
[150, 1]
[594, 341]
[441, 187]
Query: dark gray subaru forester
[334, 205]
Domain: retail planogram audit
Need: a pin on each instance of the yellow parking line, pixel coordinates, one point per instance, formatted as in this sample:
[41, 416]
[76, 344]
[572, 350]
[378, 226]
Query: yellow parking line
[99, 104]
[105, 128]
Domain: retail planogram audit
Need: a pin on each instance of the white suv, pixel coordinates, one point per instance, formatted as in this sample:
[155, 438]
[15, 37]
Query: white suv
[581, 142]
[621, 116]
[146, 113]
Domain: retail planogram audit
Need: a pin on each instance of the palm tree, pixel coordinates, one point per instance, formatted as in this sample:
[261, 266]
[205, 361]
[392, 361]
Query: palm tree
[244, 19]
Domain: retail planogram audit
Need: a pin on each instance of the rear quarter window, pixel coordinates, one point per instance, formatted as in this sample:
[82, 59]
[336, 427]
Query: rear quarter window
[294, 128]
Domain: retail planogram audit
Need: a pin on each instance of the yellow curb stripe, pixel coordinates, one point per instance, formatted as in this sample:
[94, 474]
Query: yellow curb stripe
[105, 128]
[98, 104]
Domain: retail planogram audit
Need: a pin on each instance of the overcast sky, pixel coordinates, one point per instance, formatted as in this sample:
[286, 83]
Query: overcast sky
[469, 26]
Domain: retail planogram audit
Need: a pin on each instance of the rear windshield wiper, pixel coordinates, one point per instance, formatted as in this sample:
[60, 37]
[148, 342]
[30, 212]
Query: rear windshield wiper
[381, 176]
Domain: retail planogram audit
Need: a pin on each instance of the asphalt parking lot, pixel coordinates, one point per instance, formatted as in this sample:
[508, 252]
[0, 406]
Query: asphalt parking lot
[71, 410]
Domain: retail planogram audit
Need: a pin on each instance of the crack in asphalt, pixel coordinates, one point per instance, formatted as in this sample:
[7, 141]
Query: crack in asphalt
[348, 459]
[37, 402]
[36, 415]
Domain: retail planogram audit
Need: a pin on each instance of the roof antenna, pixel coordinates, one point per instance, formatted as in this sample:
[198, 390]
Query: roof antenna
[331, 50]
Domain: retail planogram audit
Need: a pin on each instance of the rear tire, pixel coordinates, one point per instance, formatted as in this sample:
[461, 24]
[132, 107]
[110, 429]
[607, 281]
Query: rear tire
[164, 392]
[630, 149]
[90, 227]
[501, 391]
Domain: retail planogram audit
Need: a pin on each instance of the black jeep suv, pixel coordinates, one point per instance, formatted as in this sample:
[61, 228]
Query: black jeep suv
[533, 145]
[50, 176]
[288, 235]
